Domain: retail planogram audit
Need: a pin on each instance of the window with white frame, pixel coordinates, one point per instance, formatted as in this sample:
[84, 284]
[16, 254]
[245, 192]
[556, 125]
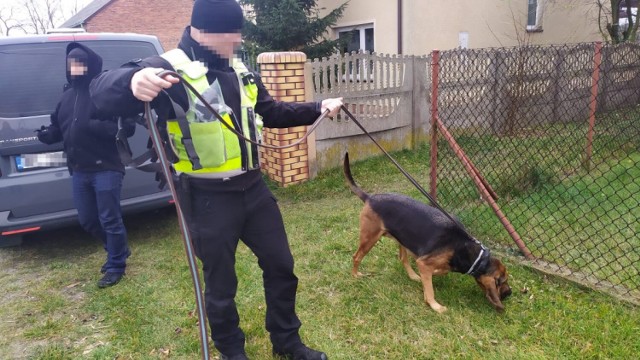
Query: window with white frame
[360, 38]
[534, 15]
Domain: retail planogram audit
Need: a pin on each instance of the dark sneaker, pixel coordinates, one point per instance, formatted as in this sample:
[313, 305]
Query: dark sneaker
[234, 357]
[103, 269]
[302, 353]
[110, 279]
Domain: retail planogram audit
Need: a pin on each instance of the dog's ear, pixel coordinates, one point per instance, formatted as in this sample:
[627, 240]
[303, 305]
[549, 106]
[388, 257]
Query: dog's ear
[494, 283]
[488, 284]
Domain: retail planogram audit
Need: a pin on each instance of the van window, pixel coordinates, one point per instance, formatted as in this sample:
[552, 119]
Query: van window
[32, 76]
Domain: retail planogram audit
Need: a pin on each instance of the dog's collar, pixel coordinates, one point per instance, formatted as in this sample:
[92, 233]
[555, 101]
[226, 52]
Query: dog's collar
[481, 261]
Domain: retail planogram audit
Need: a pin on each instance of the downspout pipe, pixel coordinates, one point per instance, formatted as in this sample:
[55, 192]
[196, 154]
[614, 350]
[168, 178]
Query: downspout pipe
[400, 27]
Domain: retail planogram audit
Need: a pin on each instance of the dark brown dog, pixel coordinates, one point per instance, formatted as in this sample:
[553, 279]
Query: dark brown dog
[438, 243]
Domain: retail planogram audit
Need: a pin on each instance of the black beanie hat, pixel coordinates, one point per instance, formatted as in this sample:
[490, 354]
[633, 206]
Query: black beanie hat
[217, 16]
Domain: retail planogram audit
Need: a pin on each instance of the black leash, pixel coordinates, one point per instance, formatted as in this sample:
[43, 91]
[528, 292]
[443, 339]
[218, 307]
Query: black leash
[432, 200]
[156, 139]
[483, 258]
[231, 128]
[166, 169]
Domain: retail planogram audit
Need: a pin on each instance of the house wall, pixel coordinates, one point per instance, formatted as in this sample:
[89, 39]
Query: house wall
[437, 24]
[382, 14]
[165, 19]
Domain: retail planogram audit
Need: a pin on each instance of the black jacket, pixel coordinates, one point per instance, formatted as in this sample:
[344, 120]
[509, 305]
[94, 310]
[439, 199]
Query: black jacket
[88, 136]
[111, 90]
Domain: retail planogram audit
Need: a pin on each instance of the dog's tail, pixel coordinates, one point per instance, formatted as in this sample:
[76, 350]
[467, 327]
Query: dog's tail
[352, 184]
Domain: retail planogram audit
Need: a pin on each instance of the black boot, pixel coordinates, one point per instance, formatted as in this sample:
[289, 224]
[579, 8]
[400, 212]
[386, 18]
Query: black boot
[301, 353]
[110, 279]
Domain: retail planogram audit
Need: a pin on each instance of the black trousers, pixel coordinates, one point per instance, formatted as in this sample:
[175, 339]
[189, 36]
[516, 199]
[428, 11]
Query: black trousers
[220, 214]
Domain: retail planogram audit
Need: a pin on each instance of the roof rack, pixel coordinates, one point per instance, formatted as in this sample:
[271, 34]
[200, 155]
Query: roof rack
[65, 31]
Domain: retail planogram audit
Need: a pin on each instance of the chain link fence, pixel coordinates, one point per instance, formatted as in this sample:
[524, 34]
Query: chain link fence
[549, 136]
[554, 133]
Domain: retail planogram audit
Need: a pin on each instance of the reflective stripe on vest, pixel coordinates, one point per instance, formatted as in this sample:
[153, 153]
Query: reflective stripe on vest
[219, 150]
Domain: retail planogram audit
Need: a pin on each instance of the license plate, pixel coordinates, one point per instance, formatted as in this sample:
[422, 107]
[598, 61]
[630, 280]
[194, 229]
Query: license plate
[46, 160]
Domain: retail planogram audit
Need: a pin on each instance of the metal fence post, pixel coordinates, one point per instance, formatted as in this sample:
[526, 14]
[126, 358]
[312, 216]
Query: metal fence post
[435, 70]
[593, 104]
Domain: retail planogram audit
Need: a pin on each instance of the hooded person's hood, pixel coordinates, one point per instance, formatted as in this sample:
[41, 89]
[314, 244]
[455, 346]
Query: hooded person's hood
[87, 56]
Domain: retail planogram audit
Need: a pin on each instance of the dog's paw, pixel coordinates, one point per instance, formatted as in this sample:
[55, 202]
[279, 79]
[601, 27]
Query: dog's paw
[415, 277]
[441, 309]
[357, 274]
[438, 308]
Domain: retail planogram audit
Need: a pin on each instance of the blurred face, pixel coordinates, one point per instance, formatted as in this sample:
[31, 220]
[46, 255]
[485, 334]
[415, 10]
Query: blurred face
[224, 45]
[76, 68]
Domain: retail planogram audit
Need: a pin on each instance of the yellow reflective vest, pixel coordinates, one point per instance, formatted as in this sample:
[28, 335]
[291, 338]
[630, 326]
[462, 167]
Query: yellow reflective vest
[220, 151]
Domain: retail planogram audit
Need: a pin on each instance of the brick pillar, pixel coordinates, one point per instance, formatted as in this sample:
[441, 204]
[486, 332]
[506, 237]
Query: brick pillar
[283, 75]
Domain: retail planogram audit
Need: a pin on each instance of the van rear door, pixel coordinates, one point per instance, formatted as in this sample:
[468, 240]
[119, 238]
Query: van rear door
[33, 176]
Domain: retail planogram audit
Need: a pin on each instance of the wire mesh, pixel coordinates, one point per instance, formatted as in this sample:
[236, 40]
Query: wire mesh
[555, 131]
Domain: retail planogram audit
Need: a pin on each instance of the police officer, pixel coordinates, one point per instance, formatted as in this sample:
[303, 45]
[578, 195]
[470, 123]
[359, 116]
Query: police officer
[220, 185]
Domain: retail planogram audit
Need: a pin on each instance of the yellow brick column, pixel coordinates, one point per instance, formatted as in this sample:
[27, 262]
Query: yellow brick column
[283, 75]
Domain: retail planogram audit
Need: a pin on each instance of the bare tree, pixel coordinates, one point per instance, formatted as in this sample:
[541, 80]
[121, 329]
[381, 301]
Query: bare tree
[609, 20]
[37, 16]
[8, 21]
[72, 8]
[42, 14]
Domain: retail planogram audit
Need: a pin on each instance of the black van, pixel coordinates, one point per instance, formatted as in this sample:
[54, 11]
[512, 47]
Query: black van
[35, 185]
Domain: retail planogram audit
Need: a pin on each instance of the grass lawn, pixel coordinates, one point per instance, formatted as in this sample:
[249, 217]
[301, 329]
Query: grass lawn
[51, 307]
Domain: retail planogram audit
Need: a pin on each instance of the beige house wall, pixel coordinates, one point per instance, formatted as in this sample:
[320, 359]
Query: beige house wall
[438, 24]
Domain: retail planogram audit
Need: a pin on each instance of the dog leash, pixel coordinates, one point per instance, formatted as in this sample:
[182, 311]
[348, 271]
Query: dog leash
[322, 116]
[165, 164]
[206, 104]
[432, 200]
[186, 238]
[484, 253]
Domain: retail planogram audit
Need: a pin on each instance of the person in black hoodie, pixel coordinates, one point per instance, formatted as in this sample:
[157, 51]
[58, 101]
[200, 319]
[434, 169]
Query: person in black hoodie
[92, 159]
[226, 200]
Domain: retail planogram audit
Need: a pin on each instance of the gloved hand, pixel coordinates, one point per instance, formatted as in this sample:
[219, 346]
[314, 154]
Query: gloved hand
[48, 135]
[128, 125]
[333, 105]
[43, 133]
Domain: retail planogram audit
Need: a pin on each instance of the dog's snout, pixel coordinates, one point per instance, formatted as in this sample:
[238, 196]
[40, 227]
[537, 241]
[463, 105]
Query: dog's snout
[505, 293]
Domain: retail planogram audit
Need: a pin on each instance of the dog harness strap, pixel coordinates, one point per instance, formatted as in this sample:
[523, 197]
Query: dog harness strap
[476, 262]
[484, 252]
